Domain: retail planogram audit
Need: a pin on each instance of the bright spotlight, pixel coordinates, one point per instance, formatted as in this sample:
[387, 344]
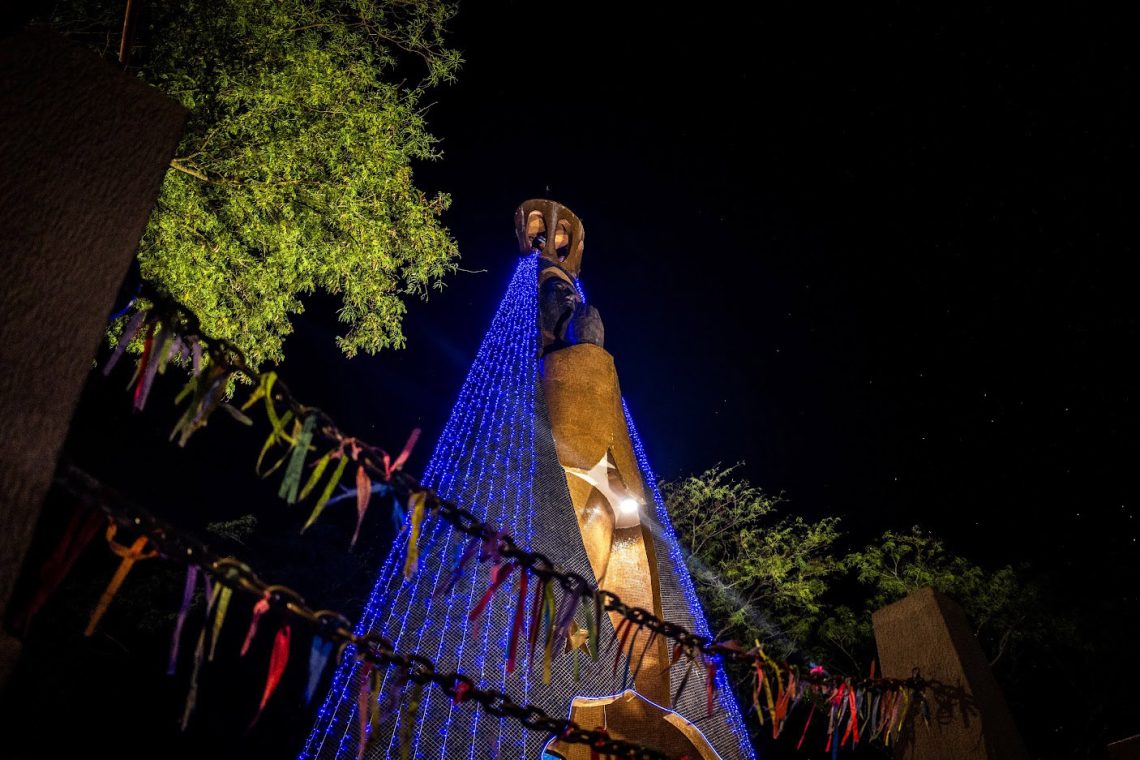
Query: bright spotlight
[629, 505]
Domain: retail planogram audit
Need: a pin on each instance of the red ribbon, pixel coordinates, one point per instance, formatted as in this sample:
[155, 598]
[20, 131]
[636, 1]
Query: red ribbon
[836, 702]
[803, 736]
[516, 625]
[782, 706]
[853, 724]
[710, 685]
[499, 574]
[142, 386]
[594, 754]
[81, 528]
[259, 609]
[407, 452]
[277, 662]
[461, 690]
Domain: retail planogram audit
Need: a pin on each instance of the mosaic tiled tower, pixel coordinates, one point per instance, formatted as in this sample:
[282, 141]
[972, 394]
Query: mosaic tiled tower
[540, 444]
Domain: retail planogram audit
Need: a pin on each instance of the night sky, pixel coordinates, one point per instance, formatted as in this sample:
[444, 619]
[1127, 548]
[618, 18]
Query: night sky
[882, 255]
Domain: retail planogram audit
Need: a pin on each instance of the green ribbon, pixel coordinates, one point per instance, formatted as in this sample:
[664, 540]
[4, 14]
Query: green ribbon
[292, 480]
[327, 493]
[548, 621]
[315, 477]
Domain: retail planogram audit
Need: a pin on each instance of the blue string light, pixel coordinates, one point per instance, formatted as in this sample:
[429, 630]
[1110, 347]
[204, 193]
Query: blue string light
[578, 287]
[484, 379]
[483, 460]
[724, 697]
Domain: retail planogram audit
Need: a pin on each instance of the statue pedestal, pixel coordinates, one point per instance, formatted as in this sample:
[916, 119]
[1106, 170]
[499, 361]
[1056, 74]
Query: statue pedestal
[630, 716]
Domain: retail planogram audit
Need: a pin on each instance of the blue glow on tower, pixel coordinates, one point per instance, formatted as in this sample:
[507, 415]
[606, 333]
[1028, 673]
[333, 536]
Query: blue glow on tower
[725, 699]
[484, 460]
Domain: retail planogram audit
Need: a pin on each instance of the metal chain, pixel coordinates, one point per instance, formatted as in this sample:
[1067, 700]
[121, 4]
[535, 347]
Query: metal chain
[372, 457]
[334, 626]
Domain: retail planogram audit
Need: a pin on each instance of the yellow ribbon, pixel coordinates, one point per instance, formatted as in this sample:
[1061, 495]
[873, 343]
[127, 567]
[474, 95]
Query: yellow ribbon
[223, 604]
[416, 504]
[326, 494]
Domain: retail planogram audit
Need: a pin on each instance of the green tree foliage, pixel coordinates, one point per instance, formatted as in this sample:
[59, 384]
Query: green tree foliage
[760, 576]
[1004, 609]
[786, 581]
[294, 173]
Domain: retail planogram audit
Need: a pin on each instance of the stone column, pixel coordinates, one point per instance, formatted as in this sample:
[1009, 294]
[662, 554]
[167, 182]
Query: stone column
[83, 149]
[969, 716]
[1125, 749]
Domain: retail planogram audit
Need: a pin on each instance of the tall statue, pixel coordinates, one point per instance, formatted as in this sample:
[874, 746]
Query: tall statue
[539, 445]
[587, 421]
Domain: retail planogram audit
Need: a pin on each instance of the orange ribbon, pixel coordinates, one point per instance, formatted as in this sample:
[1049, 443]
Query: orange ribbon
[130, 555]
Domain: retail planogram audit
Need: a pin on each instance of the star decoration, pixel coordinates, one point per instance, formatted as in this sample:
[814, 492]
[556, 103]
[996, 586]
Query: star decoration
[599, 477]
[577, 638]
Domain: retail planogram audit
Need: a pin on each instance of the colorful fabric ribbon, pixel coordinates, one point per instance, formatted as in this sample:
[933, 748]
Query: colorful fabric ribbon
[187, 597]
[517, 623]
[291, 482]
[278, 659]
[417, 506]
[82, 526]
[136, 552]
[318, 657]
[128, 334]
[259, 609]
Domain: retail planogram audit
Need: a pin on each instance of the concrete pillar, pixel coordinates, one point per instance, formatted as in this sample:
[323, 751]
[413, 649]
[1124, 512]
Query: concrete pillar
[1125, 749]
[83, 149]
[969, 717]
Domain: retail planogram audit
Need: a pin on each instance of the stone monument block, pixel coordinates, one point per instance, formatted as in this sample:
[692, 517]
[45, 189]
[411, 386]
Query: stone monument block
[969, 717]
[83, 148]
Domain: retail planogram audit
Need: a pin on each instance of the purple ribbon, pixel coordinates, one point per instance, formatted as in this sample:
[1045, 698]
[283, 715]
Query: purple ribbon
[128, 333]
[187, 597]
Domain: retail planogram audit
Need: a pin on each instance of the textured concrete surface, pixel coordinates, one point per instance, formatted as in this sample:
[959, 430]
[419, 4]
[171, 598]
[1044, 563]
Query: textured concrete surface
[969, 717]
[83, 149]
[1125, 749]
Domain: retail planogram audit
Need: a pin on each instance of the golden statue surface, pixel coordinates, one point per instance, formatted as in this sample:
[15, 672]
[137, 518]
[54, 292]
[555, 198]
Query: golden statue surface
[587, 419]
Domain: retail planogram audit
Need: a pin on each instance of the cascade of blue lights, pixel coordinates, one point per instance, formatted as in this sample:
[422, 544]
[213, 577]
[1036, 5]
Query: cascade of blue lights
[496, 458]
[483, 460]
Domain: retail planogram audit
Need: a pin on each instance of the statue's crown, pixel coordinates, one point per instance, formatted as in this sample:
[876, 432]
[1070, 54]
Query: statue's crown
[553, 230]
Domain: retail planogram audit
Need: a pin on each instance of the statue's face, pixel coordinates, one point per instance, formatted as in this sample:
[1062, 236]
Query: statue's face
[555, 299]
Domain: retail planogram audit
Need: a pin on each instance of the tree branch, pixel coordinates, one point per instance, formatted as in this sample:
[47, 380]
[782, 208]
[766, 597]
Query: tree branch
[176, 164]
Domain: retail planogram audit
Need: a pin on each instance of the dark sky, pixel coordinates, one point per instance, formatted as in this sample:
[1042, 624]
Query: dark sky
[880, 255]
